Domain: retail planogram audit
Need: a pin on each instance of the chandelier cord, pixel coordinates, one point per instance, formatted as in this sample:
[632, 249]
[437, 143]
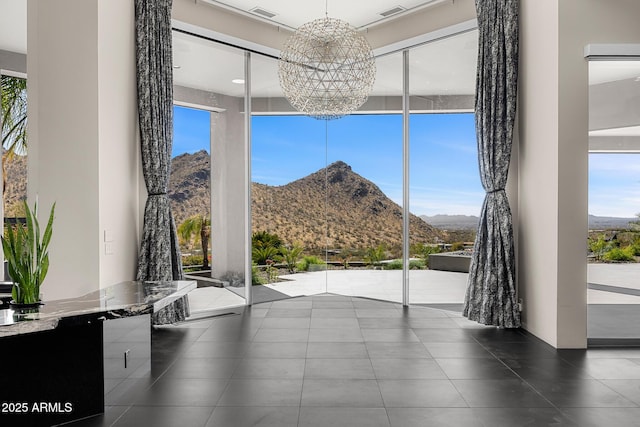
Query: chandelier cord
[326, 8]
[326, 203]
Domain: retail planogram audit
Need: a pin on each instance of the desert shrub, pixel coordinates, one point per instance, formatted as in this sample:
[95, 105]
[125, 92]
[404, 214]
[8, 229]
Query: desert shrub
[308, 260]
[635, 246]
[272, 271]
[255, 275]
[375, 255]
[417, 264]
[396, 264]
[191, 260]
[599, 246]
[457, 246]
[617, 254]
[428, 250]
[344, 259]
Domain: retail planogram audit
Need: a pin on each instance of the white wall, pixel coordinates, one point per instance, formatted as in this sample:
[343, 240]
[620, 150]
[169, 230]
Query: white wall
[538, 164]
[81, 132]
[119, 145]
[553, 158]
[63, 137]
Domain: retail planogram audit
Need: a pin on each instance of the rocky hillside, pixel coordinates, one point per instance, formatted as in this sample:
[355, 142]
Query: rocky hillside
[356, 213]
[15, 186]
[189, 185]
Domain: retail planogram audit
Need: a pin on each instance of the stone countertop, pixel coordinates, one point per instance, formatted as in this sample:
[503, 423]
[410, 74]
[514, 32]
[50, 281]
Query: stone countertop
[121, 300]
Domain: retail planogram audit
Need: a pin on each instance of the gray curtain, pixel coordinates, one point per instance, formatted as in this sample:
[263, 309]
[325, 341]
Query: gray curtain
[159, 257]
[491, 292]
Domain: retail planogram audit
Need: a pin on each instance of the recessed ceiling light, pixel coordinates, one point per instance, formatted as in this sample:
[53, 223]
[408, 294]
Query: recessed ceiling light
[177, 67]
[238, 81]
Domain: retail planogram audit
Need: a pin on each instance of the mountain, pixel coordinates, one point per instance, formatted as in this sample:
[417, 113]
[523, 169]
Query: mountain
[467, 222]
[452, 222]
[609, 222]
[189, 185]
[357, 215]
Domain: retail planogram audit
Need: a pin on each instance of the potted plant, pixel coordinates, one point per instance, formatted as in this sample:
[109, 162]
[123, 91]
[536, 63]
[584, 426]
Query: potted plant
[27, 256]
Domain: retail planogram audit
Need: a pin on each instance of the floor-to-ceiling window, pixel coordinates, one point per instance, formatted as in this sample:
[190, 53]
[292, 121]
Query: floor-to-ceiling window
[13, 121]
[327, 196]
[288, 210]
[190, 192]
[445, 189]
[364, 205]
[208, 168]
[613, 242]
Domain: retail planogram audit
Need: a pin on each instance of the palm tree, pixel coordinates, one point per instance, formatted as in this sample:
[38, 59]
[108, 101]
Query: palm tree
[199, 227]
[291, 255]
[262, 254]
[13, 92]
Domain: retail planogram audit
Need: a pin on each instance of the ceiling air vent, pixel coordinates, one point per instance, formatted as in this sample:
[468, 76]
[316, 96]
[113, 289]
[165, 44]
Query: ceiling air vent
[392, 11]
[264, 13]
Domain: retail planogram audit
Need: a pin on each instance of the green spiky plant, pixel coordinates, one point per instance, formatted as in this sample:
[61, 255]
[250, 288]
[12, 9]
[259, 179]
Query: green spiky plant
[27, 256]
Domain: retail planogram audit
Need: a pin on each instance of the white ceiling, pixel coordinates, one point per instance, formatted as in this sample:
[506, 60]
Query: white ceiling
[13, 25]
[290, 13]
[447, 66]
[294, 13]
[611, 71]
[360, 13]
[625, 131]
[443, 67]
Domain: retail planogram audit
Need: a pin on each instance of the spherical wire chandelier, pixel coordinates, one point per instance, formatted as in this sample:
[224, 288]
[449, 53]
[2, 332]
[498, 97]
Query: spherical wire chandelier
[326, 69]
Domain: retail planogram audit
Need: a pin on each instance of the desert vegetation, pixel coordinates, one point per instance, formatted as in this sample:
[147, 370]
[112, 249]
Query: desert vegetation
[615, 245]
[273, 257]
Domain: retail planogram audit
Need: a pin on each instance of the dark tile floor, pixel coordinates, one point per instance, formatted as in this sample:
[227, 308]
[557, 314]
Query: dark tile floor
[339, 361]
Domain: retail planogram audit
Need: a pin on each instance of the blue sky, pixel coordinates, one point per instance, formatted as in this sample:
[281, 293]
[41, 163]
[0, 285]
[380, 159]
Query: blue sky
[443, 170]
[614, 184]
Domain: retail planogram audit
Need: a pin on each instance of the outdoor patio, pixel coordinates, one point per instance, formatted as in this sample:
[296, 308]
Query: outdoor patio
[613, 293]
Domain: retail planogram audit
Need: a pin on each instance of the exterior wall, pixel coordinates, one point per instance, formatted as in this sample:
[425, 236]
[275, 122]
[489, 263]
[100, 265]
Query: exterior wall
[553, 159]
[81, 130]
[228, 202]
[228, 180]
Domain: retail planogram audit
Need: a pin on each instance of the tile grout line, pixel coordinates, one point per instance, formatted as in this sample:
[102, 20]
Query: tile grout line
[519, 377]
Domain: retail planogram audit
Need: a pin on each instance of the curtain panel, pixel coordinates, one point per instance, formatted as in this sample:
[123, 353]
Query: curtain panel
[159, 257]
[491, 292]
